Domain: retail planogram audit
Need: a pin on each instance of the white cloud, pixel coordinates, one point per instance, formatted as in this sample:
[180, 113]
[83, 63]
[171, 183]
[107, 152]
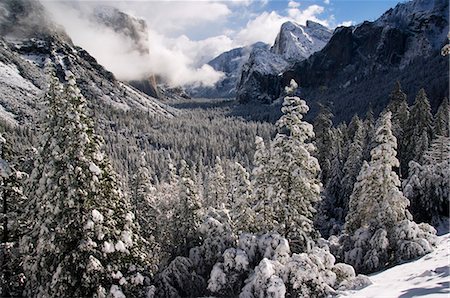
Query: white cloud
[175, 17]
[326, 1]
[310, 13]
[293, 4]
[179, 60]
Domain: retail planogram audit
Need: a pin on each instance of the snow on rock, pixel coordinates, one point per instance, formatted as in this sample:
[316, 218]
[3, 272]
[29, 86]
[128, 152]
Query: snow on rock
[120, 246]
[116, 292]
[97, 216]
[108, 247]
[95, 169]
[427, 276]
[94, 264]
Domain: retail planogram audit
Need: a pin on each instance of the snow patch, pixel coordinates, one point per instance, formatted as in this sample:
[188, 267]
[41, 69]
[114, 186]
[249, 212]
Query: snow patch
[95, 169]
[427, 276]
[97, 216]
[116, 292]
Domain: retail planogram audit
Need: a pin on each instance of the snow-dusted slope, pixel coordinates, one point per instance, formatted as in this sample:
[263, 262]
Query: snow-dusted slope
[22, 57]
[296, 42]
[428, 276]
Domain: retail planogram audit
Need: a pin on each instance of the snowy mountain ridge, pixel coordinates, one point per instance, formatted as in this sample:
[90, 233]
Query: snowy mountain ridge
[296, 42]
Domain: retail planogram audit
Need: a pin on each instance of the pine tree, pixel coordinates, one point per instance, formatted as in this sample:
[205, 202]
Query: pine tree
[378, 226]
[217, 193]
[441, 119]
[427, 186]
[187, 214]
[400, 115]
[260, 185]
[324, 142]
[242, 213]
[83, 241]
[419, 128]
[376, 199]
[294, 174]
[145, 207]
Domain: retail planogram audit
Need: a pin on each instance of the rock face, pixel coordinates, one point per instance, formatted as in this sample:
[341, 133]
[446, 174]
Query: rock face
[22, 56]
[262, 71]
[230, 63]
[260, 77]
[359, 65]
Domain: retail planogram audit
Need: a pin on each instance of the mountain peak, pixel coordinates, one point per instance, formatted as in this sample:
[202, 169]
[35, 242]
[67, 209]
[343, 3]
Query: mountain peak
[296, 42]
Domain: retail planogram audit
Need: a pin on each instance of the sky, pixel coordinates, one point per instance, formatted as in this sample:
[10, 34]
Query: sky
[184, 35]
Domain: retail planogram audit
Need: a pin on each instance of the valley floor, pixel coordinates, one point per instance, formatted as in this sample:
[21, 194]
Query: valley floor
[428, 277]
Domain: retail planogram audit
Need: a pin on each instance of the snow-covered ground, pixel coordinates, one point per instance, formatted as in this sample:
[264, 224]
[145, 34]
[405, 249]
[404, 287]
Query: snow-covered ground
[428, 277]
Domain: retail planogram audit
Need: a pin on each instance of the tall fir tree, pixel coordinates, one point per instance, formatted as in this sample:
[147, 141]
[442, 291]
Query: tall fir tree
[294, 174]
[400, 115]
[378, 226]
[324, 142]
[217, 192]
[427, 186]
[419, 129]
[242, 214]
[145, 206]
[376, 199]
[187, 214]
[352, 167]
[83, 241]
[442, 119]
[260, 185]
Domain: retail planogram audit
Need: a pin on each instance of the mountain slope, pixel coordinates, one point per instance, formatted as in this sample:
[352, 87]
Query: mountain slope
[22, 57]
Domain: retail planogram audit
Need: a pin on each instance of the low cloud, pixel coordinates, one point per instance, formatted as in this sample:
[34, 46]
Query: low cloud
[179, 61]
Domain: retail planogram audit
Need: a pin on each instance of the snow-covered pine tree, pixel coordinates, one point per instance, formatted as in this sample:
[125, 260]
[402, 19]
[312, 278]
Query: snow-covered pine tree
[323, 141]
[187, 214]
[352, 166]
[427, 186]
[442, 118]
[377, 200]
[369, 127]
[145, 206]
[294, 174]
[12, 203]
[261, 188]
[329, 219]
[419, 131]
[378, 221]
[217, 192]
[400, 115]
[82, 241]
[242, 214]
